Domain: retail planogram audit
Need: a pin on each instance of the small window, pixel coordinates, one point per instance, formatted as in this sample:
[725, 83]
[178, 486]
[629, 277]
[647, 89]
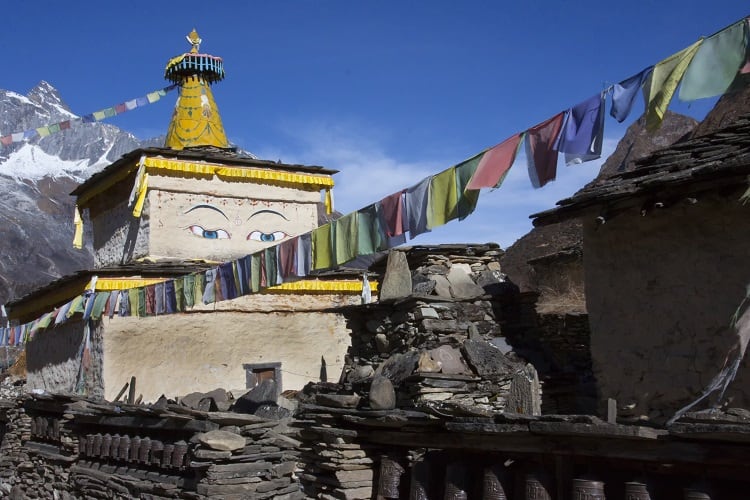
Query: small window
[255, 373]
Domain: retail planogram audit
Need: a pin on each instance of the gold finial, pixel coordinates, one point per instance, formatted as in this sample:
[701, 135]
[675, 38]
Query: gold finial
[194, 40]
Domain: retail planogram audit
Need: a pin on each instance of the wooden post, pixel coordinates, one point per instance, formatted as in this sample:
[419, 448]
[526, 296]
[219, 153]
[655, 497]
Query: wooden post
[131, 394]
[122, 391]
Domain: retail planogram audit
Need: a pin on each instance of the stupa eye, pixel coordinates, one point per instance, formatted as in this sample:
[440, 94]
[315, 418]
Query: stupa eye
[209, 234]
[266, 237]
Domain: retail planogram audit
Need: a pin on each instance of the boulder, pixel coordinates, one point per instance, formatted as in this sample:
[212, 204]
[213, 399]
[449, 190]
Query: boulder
[338, 400]
[462, 286]
[398, 367]
[360, 373]
[263, 393]
[450, 360]
[397, 280]
[487, 360]
[442, 286]
[427, 365]
[382, 394]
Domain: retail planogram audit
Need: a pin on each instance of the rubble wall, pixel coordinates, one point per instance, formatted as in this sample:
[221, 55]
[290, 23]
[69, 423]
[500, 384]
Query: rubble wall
[661, 291]
[181, 353]
[56, 362]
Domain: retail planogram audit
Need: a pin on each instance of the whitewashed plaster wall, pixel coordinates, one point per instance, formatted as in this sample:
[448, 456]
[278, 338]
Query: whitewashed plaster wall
[194, 217]
[660, 292]
[206, 348]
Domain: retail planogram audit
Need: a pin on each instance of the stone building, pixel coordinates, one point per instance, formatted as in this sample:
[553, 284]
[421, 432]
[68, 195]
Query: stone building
[666, 268]
[159, 213]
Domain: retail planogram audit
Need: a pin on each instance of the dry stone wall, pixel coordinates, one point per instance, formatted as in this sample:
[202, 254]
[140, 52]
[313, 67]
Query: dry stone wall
[60, 447]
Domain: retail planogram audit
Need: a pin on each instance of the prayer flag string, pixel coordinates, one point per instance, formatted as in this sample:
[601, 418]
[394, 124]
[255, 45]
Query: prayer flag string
[451, 194]
[46, 130]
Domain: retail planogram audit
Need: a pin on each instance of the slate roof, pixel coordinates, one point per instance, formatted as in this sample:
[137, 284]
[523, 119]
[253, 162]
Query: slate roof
[227, 157]
[715, 160]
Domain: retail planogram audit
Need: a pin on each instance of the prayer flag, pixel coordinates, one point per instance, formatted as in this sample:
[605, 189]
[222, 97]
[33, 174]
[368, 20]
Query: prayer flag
[582, 135]
[663, 82]
[443, 198]
[90, 118]
[715, 63]
[131, 104]
[322, 251]
[120, 108]
[99, 115]
[415, 200]
[495, 164]
[371, 236]
[467, 198]
[43, 131]
[65, 125]
[392, 212]
[345, 237]
[541, 150]
[17, 137]
[152, 97]
[623, 94]
[6, 140]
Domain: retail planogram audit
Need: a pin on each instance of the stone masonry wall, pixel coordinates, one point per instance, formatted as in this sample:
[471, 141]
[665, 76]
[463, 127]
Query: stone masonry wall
[661, 290]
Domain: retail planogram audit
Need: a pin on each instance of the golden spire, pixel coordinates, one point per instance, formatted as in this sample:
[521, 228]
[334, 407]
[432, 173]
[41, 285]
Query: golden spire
[196, 120]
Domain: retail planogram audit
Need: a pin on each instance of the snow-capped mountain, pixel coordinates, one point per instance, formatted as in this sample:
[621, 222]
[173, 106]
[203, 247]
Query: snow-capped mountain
[36, 177]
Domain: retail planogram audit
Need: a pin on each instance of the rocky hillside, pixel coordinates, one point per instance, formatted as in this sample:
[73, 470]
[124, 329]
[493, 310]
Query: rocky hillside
[36, 212]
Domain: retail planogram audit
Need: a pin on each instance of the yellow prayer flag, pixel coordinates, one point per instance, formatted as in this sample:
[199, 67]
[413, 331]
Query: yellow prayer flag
[663, 82]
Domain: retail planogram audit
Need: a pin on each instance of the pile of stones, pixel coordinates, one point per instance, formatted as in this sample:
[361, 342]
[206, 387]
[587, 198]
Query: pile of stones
[436, 334]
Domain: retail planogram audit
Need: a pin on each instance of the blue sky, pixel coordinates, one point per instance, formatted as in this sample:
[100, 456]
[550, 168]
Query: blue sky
[386, 92]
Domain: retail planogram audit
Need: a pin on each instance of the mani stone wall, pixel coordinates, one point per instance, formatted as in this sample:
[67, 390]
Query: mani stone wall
[57, 447]
[661, 290]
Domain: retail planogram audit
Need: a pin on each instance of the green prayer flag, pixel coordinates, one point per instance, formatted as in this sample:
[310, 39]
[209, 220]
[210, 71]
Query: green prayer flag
[255, 272]
[345, 237]
[467, 198]
[716, 63]
[370, 235]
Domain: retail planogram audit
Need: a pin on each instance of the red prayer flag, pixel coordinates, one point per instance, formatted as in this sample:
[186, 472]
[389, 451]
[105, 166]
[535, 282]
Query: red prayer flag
[541, 150]
[6, 140]
[393, 213]
[495, 164]
[65, 125]
[120, 108]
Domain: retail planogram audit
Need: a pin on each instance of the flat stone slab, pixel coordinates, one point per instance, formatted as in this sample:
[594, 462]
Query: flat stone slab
[222, 440]
[462, 286]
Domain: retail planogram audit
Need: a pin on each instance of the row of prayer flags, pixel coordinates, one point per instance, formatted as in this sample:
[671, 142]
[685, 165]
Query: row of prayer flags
[704, 69]
[96, 116]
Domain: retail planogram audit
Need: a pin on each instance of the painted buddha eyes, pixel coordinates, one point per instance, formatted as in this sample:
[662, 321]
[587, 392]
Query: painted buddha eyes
[261, 236]
[209, 234]
[221, 234]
